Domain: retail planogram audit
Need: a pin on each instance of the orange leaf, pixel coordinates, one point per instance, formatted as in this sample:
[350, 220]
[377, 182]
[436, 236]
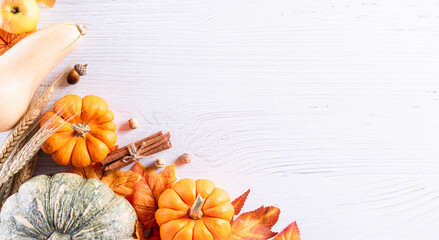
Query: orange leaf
[92, 171]
[158, 183]
[289, 233]
[255, 225]
[49, 3]
[122, 183]
[113, 148]
[144, 203]
[239, 202]
[148, 190]
[8, 40]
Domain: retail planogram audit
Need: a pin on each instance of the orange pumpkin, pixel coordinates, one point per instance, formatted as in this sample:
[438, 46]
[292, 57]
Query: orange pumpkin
[86, 131]
[194, 210]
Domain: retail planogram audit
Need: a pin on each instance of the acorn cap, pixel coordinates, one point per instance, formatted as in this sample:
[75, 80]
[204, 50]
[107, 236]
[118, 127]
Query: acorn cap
[81, 69]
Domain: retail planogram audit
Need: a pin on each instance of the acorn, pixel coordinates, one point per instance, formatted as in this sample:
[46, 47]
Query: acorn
[76, 73]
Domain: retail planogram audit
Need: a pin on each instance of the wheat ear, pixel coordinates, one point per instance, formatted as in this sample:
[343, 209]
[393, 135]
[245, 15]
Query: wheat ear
[7, 188]
[14, 164]
[25, 154]
[6, 191]
[11, 186]
[24, 174]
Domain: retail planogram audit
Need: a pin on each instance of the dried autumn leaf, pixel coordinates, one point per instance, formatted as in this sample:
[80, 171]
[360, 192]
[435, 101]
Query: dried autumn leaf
[289, 233]
[49, 3]
[114, 148]
[121, 182]
[147, 191]
[144, 203]
[155, 233]
[8, 40]
[140, 231]
[92, 171]
[239, 202]
[158, 183]
[255, 225]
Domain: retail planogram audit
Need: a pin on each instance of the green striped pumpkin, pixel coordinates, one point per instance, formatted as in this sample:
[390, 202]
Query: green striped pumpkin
[64, 207]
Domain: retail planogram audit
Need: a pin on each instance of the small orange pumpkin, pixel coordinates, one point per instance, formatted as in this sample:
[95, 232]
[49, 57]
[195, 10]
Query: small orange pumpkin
[194, 210]
[86, 131]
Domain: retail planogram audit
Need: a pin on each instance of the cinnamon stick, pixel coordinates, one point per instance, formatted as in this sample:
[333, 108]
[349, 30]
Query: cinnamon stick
[154, 145]
[122, 152]
[162, 141]
[120, 164]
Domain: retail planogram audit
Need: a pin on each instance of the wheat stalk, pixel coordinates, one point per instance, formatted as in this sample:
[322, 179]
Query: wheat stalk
[24, 174]
[11, 186]
[26, 153]
[17, 134]
[7, 188]
[6, 191]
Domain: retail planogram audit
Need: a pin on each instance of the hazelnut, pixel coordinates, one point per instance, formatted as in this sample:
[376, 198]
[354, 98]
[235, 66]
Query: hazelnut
[160, 163]
[185, 158]
[134, 123]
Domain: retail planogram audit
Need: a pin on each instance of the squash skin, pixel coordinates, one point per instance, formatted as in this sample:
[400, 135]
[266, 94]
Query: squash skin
[174, 203]
[66, 206]
[26, 65]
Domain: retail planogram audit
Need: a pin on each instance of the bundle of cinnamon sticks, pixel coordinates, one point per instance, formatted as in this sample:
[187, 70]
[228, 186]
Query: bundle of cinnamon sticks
[150, 145]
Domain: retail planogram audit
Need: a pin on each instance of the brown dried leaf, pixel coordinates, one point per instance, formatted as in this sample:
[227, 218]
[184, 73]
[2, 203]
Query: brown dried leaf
[140, 231]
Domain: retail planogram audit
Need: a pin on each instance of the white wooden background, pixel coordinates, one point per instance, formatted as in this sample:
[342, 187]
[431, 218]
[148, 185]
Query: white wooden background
[328, 109]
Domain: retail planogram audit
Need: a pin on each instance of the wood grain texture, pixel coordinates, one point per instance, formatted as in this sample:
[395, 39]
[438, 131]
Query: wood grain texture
[328, 109]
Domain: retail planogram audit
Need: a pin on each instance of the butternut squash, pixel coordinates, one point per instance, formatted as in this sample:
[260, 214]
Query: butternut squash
[26, 65]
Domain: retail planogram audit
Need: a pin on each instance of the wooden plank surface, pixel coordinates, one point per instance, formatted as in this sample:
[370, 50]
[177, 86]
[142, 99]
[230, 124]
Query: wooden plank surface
[328, 109]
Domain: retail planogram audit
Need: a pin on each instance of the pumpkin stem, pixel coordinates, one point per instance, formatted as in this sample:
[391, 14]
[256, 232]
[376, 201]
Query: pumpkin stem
[81, 129]
[195, 211]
